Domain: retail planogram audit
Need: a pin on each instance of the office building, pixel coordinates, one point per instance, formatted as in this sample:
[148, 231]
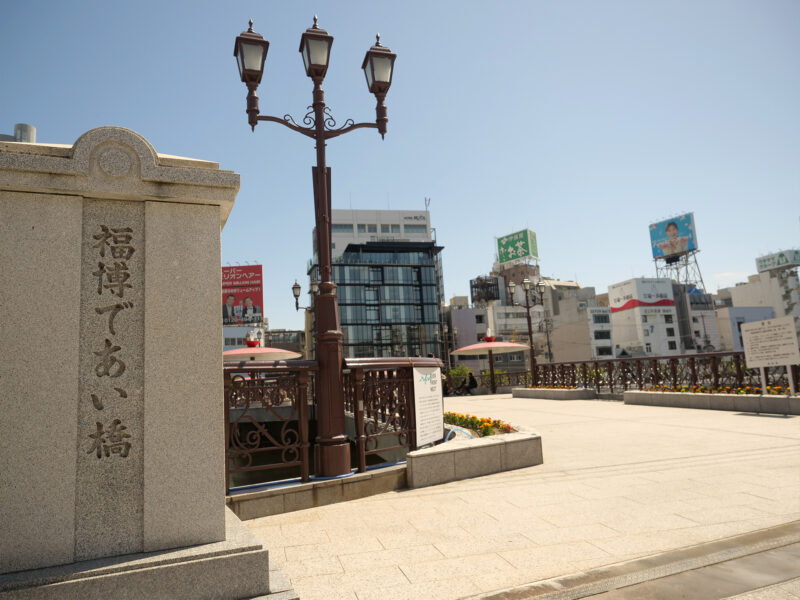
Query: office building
[388, 273]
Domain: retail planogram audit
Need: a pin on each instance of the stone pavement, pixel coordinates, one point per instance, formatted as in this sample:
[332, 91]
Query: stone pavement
[618, 483]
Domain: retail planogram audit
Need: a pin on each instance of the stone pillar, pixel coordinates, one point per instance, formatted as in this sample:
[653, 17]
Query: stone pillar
[111, 440]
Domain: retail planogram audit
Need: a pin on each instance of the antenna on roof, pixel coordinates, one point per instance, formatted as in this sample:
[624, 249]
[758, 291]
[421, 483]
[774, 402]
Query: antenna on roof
[427, 203]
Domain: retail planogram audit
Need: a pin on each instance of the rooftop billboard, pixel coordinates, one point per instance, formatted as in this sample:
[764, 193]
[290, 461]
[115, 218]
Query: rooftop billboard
[520, 244]
[242, 295]
[673, 237]
[786, 259]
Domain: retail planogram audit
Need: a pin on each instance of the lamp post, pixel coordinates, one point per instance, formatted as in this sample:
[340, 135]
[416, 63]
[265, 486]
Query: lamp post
[308, 312]
[313, 289]
[250, 50]
[529, 304]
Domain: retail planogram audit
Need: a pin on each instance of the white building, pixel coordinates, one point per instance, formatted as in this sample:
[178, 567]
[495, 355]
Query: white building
[600, 332]
[778, 289]
[731, 319]
[362, 226]
[644, 318]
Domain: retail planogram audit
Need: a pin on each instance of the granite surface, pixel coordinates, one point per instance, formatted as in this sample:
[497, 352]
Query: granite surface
[107, 445]
[115, 163]
[40, 254]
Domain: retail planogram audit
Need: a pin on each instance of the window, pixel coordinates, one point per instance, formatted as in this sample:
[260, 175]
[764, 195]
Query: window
[372, 229]
[647, 348]
[646, 333]
[644, 318]
[601, 319]
[670, 332]
[694, 320]
[696, 333]
[395, 228]
[385, 229]
[342, 228]
[667, 318]
[604, 351]
[416, 229]
[362, 228]
[672, 345]
[479, 319]
[602, 335]
[373, 314]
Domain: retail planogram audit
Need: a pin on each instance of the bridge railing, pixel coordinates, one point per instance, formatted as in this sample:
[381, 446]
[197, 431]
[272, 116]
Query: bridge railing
[267, 418]
[710, 371]
[379, 392]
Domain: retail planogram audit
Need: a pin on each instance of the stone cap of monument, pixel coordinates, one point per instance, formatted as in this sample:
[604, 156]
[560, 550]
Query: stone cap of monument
[114, 163]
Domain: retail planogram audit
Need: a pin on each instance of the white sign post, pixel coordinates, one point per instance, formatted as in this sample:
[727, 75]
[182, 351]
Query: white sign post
[428, 405]
[771, 343]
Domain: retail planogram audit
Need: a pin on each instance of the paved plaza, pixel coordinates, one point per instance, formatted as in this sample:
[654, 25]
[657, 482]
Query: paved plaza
[618, 483]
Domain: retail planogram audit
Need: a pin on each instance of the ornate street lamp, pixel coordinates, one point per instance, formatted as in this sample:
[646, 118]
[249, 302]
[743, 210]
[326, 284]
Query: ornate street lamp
[378, 66]
[313, 289]
[315, 45]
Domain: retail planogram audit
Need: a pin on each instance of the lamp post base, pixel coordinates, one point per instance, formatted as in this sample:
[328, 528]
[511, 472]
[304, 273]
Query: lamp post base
[332, 456]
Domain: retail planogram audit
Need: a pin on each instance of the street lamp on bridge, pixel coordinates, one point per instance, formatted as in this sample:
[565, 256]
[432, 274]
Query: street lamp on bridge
[250, 51]
[538, 299]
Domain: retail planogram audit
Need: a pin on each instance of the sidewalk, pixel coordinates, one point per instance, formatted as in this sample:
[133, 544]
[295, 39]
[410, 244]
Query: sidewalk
[618, 483]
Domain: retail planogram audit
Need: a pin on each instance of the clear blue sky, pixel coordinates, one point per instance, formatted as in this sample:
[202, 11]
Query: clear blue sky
[582, 120]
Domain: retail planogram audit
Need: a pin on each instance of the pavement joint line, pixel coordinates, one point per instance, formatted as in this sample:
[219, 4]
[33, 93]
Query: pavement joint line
[569, 587]
[600, 471]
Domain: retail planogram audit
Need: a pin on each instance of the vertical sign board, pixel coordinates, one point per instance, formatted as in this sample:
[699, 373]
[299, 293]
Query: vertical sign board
[242, 295]
[428, 405]
[771, 343]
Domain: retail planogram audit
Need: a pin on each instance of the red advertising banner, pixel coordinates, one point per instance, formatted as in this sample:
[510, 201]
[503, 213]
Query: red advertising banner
[242, 295]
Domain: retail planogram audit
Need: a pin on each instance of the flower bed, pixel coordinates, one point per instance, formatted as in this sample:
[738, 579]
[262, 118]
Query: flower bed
[554, 393]
[747, 403]
[464, 458]
[772, 390]
[483, 426]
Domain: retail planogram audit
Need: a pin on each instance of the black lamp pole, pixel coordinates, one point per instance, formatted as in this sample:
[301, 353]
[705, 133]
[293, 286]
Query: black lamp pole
[526, 285]
[332, 444]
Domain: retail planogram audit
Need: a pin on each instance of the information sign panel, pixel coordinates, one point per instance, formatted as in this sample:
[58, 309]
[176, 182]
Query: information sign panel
[428, 405]
[770, 343]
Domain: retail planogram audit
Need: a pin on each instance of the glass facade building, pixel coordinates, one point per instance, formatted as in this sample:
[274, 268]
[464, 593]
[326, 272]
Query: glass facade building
[390, 295]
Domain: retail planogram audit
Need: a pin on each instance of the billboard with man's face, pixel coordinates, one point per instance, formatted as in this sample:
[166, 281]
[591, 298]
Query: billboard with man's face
[673, 237]
[242, 295]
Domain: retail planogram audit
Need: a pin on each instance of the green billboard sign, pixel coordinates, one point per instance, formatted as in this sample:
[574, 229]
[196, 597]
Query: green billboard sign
[514, 246]
[780, 260]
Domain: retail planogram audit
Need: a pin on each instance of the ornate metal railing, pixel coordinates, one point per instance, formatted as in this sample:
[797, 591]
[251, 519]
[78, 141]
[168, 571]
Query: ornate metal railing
[379, 392]
[712, 370]
[266, 416]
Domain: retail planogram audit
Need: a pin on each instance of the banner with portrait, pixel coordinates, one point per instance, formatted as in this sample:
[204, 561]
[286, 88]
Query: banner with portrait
[242, 295]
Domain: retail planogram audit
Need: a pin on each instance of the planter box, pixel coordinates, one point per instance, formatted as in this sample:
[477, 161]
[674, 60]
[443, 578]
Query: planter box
[465, 458]
[550, 394]
[782, 405]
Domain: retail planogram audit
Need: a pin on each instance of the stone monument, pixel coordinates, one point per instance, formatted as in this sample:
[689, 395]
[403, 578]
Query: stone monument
[112, 430]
